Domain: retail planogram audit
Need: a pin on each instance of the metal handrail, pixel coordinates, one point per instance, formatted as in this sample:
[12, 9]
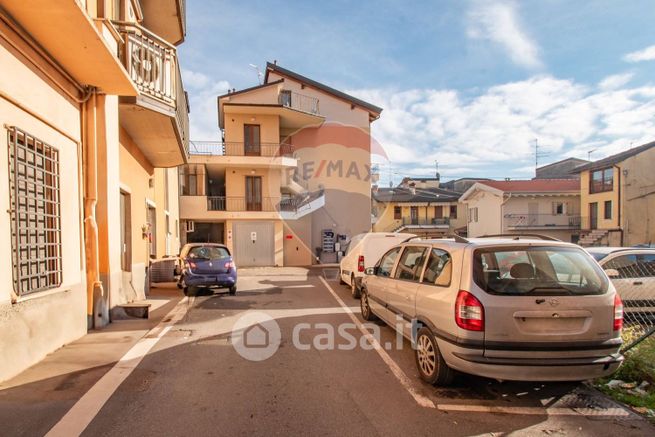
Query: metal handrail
[216, 148]
[300, 102]
[242, 204]
[516, 220]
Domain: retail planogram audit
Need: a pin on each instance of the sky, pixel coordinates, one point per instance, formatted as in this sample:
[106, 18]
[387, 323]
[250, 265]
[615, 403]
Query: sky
[469, 84]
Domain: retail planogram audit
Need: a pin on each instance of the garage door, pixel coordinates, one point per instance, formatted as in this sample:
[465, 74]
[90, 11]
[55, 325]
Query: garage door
[254, 244]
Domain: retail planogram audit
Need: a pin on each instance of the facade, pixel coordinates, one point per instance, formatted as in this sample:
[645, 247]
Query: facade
[418, 207]
[564, 169]
[88, 114]
[618, 197]
[546, 207]
[293, 168]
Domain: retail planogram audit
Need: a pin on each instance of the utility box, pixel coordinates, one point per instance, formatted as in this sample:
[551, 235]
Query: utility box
[328, 240]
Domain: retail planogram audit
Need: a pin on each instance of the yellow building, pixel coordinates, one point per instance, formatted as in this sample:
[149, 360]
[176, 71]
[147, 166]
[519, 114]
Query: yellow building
[92, 109]
[295, 162]
[420, 207]
[618, 198]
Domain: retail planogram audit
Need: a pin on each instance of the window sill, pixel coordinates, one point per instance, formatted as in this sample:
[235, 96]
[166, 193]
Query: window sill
[40, 294]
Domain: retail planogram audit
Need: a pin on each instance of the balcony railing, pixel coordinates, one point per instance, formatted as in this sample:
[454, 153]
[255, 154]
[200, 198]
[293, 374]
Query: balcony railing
[271, 150]
[240, 204]
[299, 102]
[541, 221]
[425, 222]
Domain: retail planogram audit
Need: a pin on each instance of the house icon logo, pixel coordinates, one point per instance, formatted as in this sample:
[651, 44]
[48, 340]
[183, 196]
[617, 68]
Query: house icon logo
[256, 336]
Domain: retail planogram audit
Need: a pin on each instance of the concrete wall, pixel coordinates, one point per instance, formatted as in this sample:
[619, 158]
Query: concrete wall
[37, 324]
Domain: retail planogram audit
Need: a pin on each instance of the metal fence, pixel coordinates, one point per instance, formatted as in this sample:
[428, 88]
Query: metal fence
[633, 276]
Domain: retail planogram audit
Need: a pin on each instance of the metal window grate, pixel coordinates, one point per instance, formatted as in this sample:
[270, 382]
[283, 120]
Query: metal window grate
[35, 213]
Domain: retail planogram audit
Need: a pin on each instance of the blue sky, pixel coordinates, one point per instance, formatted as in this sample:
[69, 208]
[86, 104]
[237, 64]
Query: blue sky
[469, 84]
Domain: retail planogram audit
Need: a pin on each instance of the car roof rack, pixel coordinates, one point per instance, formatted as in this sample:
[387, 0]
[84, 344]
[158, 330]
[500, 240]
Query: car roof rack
[518, 236]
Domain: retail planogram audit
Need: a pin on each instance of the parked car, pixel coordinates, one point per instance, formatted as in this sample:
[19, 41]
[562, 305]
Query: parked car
[364, 251]
[509, 309]
[632, 271]
[206, 265]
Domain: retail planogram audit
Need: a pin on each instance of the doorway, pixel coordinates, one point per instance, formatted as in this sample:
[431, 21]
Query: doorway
[253, 193]
[593, 215]
[251, 140]
[126, 231]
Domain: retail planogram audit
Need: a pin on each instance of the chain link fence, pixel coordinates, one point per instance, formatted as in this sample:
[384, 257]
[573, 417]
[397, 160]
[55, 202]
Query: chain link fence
[633, 276]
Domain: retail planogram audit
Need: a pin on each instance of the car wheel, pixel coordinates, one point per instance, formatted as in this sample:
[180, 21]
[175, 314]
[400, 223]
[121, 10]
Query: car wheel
[430, 363]
[233, 290]
[354, 290]
[367, 314]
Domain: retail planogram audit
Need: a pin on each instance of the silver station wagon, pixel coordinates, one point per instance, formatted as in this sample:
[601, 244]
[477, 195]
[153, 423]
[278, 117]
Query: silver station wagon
[507, 308]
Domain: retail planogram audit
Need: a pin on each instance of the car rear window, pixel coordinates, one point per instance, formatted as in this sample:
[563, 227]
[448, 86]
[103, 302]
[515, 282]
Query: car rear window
[208, 252]
[537, 270]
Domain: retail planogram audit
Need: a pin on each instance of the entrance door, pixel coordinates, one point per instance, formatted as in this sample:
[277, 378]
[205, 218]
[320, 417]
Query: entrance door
[251, 140]
[413, 215]
[253, 193]
[152, 219]
[593, 215]
[126, 232]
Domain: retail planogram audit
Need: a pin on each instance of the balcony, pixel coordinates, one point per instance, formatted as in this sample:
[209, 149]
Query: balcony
[166, 18]
[157, 119]
[415, 222]
[239, 154]
[222, 203]
[299, 102]
[541, 221]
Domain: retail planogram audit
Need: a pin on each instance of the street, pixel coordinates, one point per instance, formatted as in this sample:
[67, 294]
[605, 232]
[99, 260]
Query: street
[190, 380]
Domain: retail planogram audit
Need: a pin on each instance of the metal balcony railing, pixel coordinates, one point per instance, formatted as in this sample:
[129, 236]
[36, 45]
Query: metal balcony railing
[425, 222]
[299, 102]
[541, 220]
[241, 204]
[271, 150]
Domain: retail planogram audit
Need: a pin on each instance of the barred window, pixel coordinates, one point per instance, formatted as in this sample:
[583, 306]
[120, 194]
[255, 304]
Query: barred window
[35, 213]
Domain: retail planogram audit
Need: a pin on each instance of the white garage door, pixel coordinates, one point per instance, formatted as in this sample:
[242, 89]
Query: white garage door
[254, 244]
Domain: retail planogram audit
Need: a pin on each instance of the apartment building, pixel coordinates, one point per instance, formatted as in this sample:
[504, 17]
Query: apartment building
[94, 122]
[618, 197]
[418, 206]
[549, 207]
[291, 177]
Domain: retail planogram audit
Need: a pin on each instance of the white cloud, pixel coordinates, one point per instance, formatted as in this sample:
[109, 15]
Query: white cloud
[499, 22]
[615, 81]
[493, 134]
[646, 54]
[203, 91]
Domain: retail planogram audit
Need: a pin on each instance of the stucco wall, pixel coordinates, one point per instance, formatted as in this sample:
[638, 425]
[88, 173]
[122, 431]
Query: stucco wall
[638, 197]
[42, 322]
[489, 214]
[586, 198]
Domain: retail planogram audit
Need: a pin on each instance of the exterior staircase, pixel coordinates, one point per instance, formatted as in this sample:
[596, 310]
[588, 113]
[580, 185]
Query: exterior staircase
[593, 238]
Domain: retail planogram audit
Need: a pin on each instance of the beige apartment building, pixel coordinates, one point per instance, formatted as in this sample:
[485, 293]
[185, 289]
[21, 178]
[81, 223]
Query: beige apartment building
[548, 207]
[94, 122]
[291, 177]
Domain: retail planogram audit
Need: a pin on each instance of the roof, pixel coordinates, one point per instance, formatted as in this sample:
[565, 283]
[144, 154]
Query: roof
[300, 78]
[562, 161]
[535, 185]
[419, 195]
[615, 159]
[252, 88]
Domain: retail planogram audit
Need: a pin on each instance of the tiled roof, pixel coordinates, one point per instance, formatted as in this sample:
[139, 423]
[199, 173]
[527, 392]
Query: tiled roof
[615, 159]
[535, 185]
[405, 195]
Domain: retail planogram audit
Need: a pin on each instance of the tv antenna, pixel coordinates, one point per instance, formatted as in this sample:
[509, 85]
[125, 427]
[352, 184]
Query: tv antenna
[537, 154]
[260, 75]
[589, 154]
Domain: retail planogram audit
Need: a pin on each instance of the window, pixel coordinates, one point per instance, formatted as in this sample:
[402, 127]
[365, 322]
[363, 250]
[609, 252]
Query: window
[189, 178]
[559, 208]
[397, 213]
[208, 252]
[411, 264]
[438, 211]
[453, 211]
[473, 215]
[633, 266]
[537, 270]
[35, 213]
[601, 180]
[385, 265]
[439, 268]
[608, 210]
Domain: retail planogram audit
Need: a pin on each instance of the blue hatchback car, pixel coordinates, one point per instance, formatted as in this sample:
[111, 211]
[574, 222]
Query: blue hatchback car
[206, 265]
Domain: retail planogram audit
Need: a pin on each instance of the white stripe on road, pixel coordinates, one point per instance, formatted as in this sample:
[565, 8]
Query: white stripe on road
[85, 409]
[404, 380]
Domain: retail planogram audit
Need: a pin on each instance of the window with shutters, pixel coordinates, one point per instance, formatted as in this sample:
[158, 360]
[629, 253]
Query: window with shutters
[35, 213]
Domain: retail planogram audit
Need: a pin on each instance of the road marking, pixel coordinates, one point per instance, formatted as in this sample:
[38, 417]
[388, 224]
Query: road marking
[535, 411]
[87, 407]
[404, 380]
[298, 286]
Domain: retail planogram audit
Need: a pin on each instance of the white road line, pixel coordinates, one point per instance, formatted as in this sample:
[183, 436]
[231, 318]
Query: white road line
[395, 369]
[85, 409]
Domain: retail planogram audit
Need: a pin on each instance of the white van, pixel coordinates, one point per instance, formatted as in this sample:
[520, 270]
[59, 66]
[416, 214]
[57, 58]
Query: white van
[364, 250]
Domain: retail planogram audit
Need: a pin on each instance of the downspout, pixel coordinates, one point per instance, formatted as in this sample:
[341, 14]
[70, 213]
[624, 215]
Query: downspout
[90, 143]
[618, 214]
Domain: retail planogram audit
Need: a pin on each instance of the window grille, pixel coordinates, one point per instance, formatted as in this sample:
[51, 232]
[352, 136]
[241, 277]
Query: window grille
[35, 213]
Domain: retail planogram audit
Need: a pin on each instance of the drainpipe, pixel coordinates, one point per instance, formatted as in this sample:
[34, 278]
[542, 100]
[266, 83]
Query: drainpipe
[618, 209]
[94, 287]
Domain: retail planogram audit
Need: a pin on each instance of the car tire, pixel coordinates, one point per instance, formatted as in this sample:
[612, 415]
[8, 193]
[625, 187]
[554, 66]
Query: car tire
[431, 366]
[367, 314]
[354, 290]
[233, 290]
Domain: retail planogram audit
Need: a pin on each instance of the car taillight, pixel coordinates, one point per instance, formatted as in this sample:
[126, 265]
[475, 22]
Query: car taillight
[618, 313]
[229, 265]
[469, 312]
[360, 263]
[192, 265]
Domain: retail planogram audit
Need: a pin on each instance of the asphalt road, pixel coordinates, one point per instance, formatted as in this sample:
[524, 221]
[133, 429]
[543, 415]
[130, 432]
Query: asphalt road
[194, 382]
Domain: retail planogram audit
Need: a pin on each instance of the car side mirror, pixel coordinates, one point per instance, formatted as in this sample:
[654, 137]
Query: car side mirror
[370, 271]
[612, 273]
